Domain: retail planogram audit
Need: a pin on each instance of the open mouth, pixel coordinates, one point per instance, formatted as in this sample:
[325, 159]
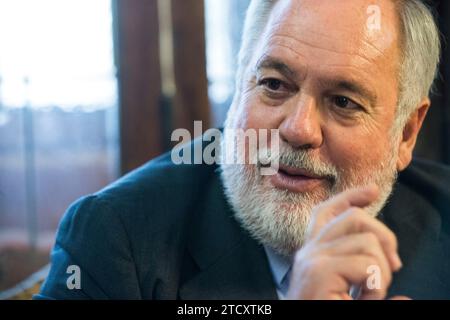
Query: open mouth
[296, 179]
[297, 172]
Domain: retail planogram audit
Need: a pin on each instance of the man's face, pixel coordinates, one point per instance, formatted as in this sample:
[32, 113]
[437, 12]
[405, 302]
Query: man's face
[326, 81]
[325, 74]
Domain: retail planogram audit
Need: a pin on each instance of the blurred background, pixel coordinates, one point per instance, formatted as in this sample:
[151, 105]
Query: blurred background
[91, 89]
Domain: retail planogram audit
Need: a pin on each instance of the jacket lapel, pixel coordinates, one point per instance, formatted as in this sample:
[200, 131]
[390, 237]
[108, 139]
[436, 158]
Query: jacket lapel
[240, 273]
[231, 265]
[423, 249]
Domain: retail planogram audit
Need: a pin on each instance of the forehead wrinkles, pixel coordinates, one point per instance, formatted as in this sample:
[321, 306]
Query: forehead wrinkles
[299, 47]
[318, 25]
[293, 53]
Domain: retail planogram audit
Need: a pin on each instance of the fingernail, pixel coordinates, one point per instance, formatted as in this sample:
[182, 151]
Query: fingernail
[397, 262]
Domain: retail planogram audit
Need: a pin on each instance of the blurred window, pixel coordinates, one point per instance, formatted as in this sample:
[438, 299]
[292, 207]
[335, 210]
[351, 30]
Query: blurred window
[224, 23]
[58, 112]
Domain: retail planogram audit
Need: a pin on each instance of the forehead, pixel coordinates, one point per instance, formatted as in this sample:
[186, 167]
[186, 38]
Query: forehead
[356, 35]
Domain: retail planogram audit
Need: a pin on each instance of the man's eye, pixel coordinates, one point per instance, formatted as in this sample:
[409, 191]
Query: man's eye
[272, 84]
[345, 103]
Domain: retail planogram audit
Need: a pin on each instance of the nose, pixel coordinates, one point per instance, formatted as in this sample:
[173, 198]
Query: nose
[301, 128]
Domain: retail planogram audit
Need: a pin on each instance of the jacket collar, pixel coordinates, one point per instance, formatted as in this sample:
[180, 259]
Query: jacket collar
[423, 248]
[231, 264]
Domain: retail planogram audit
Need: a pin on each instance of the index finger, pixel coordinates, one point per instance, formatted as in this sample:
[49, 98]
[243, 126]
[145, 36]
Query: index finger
[355, 197]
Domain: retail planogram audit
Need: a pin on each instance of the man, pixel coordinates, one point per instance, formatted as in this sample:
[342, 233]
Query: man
[346, 85]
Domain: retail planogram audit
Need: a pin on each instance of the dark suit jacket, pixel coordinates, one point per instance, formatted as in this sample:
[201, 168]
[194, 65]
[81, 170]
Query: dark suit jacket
[167, 232]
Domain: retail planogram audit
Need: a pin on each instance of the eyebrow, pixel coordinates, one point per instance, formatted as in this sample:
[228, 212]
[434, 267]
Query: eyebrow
[345, 84]
[278, 65]
[350, 86]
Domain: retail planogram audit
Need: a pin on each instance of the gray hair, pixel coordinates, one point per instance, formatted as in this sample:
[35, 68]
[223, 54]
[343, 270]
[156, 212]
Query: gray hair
[420, 47]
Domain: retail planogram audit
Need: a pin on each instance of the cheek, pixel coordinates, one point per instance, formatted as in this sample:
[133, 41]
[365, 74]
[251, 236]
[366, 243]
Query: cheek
[355, 149]
[255, 114]
[364, 146]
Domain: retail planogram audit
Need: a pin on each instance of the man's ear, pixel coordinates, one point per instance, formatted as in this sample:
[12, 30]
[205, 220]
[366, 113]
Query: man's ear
[410, 133]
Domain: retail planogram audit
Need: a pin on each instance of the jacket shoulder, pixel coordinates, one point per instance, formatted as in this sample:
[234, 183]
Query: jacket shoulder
[428, 182]
[425, 174]
[439, 170]
[124, 230]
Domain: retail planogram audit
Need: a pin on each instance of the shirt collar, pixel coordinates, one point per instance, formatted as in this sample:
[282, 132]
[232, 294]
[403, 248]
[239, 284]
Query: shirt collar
[279, 265]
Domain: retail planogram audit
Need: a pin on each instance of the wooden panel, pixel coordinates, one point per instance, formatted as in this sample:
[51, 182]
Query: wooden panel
[191, 98]
[139, 81]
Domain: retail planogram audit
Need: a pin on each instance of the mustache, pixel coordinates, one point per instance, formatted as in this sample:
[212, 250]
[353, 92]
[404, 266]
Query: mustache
[303, 159]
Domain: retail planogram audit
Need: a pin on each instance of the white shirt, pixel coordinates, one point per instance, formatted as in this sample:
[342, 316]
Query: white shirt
[281, 270]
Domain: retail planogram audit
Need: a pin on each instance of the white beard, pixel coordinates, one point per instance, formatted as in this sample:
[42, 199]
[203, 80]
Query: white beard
[280, 218]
